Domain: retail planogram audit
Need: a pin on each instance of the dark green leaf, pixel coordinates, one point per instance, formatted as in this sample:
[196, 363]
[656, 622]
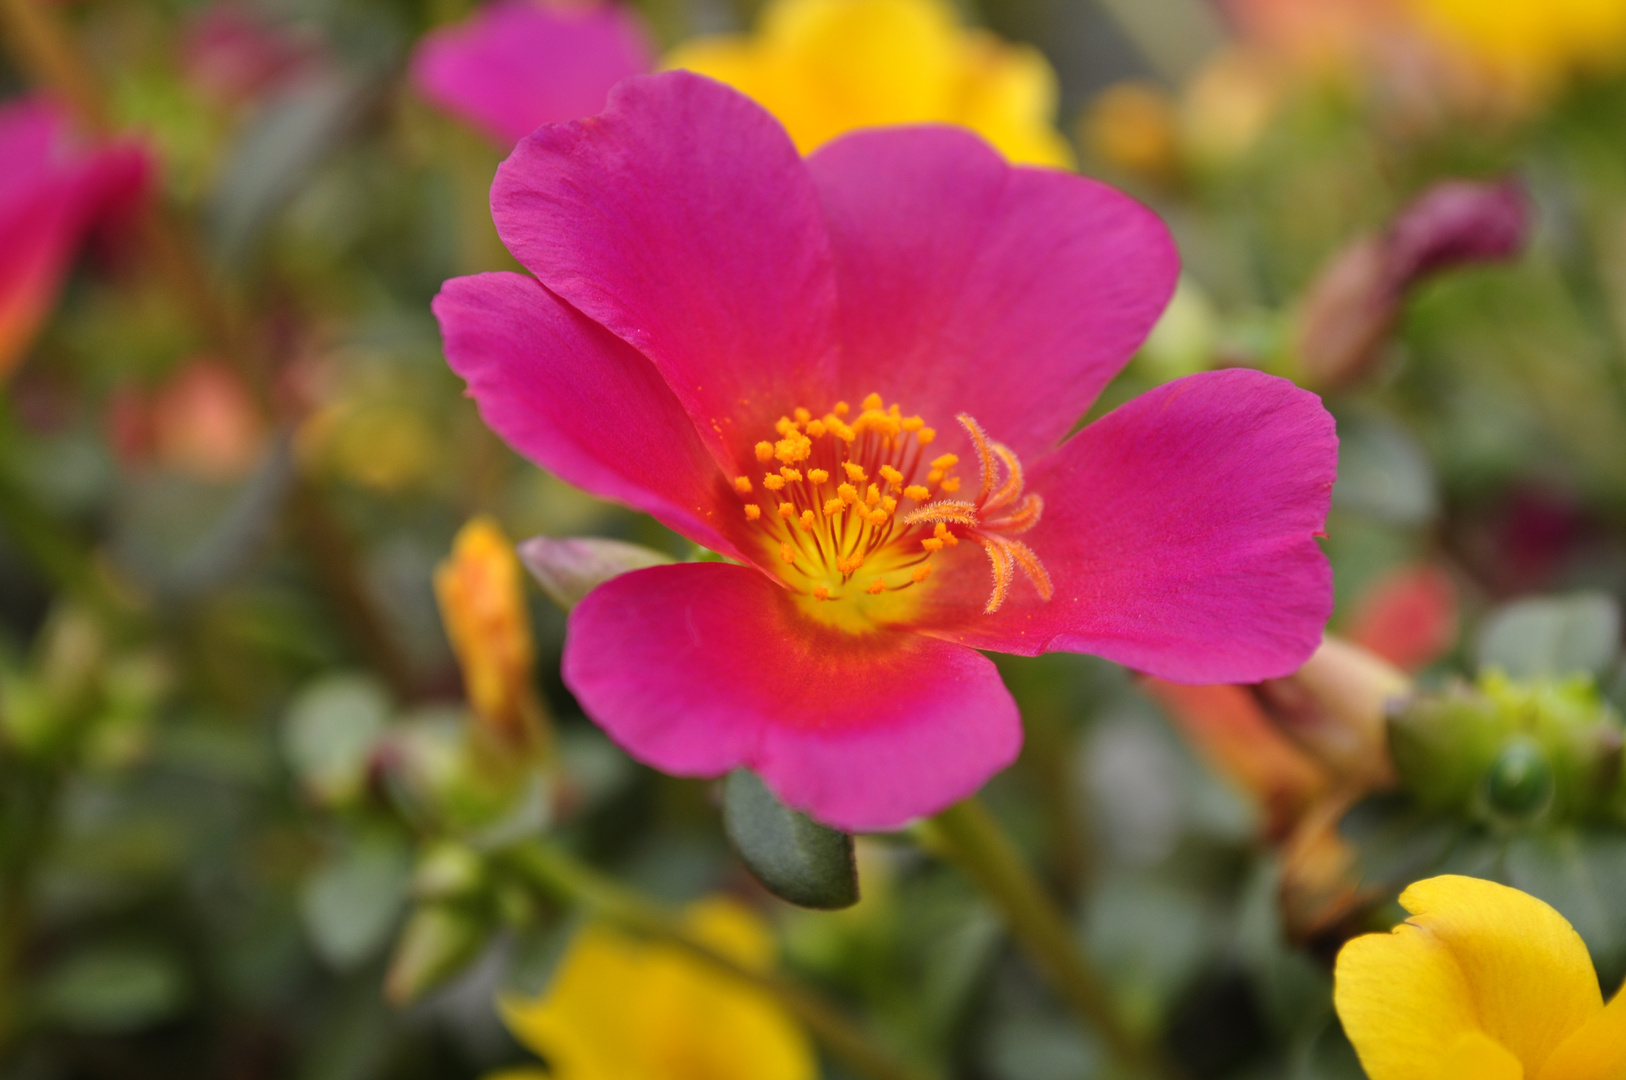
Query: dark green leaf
[794, 857]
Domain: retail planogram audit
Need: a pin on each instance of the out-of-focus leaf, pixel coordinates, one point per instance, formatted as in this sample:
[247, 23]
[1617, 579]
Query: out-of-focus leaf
[181, 536]
[276, 153]
[329, 732]
[1398, 842]
[114, 989]
[1583, 875]
[237, 533]
[1382, 472]
[794, 857]
[1026, 1047]
[351, 904]
[569, 569]
[1552, 636]
[1152, 937]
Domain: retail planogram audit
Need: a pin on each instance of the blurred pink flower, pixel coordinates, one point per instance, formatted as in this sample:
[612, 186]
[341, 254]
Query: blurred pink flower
[202, 421]
[705, 305]
[230, 51]
[1408, 616]
[53, 191]
[517, 64]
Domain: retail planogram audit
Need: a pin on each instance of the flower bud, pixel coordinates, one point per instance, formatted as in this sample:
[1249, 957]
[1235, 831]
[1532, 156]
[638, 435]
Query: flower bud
[1409, 617]
[1132, 127]
[1352, 306]
[482, 603]
[1335, 706]
[569, 569]
[439, 939]
[1520, 782]
[448, 871]
[1509, 752]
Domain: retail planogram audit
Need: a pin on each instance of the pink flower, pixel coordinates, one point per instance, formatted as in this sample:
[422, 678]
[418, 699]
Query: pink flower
[52, 192]
[518, 64]
[781, 359]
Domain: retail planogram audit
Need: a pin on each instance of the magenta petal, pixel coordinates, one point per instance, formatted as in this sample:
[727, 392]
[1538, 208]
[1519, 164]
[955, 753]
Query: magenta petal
[701, 668]
[53, 191]
[683, 220]
[578, 401]
[1179, 532]
[967, 284]
[518, 64]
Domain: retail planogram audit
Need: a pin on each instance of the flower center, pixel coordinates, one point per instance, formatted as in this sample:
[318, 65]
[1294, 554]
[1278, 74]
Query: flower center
[852, 514]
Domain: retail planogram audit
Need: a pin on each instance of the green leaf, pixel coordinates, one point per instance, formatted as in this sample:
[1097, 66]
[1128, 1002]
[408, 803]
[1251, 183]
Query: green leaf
[1552, 636]
[1383, 472]
[795, 858]
[1582, 874]
[276, 156]
[114, 989]
[329, 734]
[351, 904]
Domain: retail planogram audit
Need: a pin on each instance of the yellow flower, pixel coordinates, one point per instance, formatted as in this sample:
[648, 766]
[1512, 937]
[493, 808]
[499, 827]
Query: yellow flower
[1483, 982]
[482, 603]
[622, 1008]
[1532, 44]
[825, 67]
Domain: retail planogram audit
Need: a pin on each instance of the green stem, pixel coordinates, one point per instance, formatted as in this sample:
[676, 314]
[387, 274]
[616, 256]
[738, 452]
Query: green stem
[571, 880]
[968, 836]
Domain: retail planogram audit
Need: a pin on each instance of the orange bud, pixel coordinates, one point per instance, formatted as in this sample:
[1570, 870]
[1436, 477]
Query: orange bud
[482, 603]
[1132, 126]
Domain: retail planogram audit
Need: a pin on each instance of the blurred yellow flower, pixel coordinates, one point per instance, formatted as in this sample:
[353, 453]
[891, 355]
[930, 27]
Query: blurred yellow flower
[1132, 126]
[1483, 982]
[825, 67]
[1532, 44]
[482, 603]
[622, 1008]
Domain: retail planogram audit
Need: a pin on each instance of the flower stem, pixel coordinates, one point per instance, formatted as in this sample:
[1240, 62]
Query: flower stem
[967, 835]
[571, 880]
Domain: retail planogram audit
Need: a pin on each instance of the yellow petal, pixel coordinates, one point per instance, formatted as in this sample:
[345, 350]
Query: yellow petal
[1479, 1057]
[1404, 1003]
[1531, 980]
[1010, 94]
[1596, 1052]
[587, 1024]
[826, 67]
[623, 1008]
[733, 930]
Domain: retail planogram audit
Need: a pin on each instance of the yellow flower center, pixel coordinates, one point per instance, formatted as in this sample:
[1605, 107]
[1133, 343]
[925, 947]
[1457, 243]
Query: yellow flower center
[852, 513]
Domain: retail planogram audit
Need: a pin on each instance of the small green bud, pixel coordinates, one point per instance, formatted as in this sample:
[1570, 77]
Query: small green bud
[448, 871]
[439, 939]
[1520, 783]
[1513, 751]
